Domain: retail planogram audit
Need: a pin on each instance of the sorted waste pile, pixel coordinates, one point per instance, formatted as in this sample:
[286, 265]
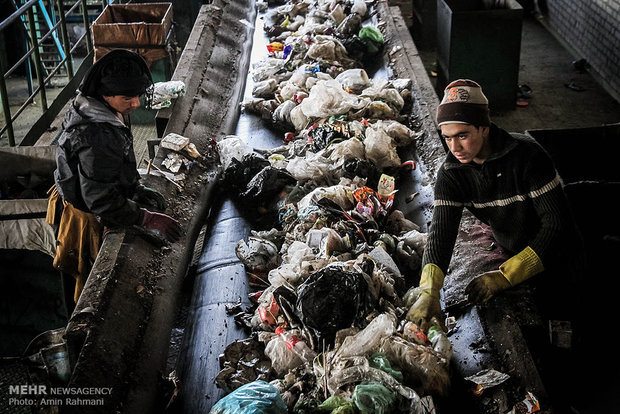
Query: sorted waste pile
[328, 330]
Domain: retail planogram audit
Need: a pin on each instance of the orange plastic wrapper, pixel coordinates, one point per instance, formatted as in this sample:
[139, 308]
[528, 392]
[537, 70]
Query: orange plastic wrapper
[275, 47]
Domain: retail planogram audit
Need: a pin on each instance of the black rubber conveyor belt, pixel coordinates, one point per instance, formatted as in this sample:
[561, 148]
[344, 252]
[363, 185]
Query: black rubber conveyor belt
[221, 279]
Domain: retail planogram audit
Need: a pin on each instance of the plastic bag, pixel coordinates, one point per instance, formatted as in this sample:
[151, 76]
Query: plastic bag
[331, 299]
[422, 367]
[400, 133]
[265, 88]
[336, 405]
[356, 167]
[327, 241]
[311, 167]
[339, 194]
[243, 361]
[350, 25]
[258, 397]
[354, 79]
[359, 7]
[379, 110]
[416, 240]
[341, 151]
[298, 118]
[327, 48]
[372, 37]
[324, 136]
[290, 272]
[283, 359]
[374, 398]
[327, 98]
[263, 69]
[288, 89]
[380, 148]
[368, 339]
[380, 361]
[241, 171]
[337, 14]
[355, 370]
[257, 255]
[268, 183]
[282, 114]
[164, 92]
[231, 147]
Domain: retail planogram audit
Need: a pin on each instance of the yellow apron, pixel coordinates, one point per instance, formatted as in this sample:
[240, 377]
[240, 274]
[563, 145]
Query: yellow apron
[78, 240]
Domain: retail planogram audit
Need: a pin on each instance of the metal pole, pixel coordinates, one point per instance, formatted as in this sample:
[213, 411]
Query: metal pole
[89, 40]
[65, 38]
[3, 93]
[34, 39]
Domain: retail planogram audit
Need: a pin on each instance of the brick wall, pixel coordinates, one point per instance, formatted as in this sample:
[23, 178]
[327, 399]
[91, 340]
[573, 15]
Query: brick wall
[591, 30]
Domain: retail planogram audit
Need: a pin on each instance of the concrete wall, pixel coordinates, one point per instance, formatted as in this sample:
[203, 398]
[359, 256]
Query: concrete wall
[591, 30]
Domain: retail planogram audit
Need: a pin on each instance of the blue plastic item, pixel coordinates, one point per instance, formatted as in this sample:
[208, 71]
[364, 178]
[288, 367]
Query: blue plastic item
[258, 397]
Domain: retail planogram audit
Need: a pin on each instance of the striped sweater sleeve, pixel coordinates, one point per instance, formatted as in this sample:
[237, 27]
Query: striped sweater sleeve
[447, 213]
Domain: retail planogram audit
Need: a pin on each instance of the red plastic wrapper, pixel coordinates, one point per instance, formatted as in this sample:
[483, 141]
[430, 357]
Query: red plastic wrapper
[269, 313]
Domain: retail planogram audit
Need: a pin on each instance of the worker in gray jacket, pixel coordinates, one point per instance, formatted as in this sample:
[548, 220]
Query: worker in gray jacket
[96, 181]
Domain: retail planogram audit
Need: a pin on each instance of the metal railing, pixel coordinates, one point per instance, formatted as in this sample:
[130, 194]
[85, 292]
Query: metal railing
[26, 13]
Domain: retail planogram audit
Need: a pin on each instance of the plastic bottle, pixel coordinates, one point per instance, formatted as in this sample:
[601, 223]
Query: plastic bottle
[439, 340]
[296, 344]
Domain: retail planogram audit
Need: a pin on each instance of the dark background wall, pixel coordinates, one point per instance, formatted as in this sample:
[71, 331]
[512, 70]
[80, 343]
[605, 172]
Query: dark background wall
[590, 30]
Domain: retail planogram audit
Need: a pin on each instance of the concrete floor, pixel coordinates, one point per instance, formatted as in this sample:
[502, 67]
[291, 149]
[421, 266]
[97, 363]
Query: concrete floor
[545, 66]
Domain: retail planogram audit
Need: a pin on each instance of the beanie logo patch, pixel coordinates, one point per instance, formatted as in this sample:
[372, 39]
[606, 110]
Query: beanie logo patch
[457, 95]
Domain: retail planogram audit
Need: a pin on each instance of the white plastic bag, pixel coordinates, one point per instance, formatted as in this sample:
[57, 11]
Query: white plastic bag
[282, 113]
[327, 98]
[164, 92]
[339, 194]
[341, 151]
[311, 167]
[231, 147]
[282, 358]
[355, 79]
[380, 148]
[265, 88]
[298, 118]
[263, 69]
[368, 339]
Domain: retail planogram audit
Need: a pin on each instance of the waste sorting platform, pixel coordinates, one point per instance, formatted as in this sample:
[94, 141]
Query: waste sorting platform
[298, 254]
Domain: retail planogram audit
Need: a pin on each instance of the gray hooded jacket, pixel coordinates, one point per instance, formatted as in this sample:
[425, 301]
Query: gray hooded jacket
[96, 165]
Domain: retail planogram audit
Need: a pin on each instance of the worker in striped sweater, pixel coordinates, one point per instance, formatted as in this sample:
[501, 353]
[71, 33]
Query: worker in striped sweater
[508, 182]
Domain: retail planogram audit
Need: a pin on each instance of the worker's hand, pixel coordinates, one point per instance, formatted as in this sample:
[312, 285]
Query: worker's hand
[427, 304]
[150, 197]
[161, 226]
[424, 309]
[485, 286]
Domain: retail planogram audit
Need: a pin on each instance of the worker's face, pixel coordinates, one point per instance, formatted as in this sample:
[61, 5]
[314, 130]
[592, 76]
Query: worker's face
[123, 104]
[467, 142]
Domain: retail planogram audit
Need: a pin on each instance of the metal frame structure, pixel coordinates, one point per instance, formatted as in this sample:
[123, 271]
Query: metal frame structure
[26, 13]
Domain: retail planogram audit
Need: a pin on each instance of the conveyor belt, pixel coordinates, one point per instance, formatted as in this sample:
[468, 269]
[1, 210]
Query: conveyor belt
[221, 278]
[120, 338]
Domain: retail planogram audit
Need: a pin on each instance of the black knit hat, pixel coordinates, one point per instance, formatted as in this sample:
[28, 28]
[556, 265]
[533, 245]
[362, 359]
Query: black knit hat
[119, 72]
[463, 103]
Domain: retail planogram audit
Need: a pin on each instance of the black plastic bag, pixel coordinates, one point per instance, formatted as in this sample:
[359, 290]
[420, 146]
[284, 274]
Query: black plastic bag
[331, 299]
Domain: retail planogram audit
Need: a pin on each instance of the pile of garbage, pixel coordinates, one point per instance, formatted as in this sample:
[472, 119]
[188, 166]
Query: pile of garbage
[334, 278]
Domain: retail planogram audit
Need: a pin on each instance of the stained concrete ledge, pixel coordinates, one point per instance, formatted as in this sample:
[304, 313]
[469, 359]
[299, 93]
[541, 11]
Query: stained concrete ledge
[120, 330]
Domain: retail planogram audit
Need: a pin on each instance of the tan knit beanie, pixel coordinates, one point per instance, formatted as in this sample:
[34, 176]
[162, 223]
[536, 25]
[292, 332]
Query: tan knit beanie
[463, 103]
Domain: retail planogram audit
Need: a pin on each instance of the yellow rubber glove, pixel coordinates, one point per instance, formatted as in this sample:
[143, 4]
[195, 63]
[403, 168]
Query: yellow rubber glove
[427, 305]
[513, 271]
